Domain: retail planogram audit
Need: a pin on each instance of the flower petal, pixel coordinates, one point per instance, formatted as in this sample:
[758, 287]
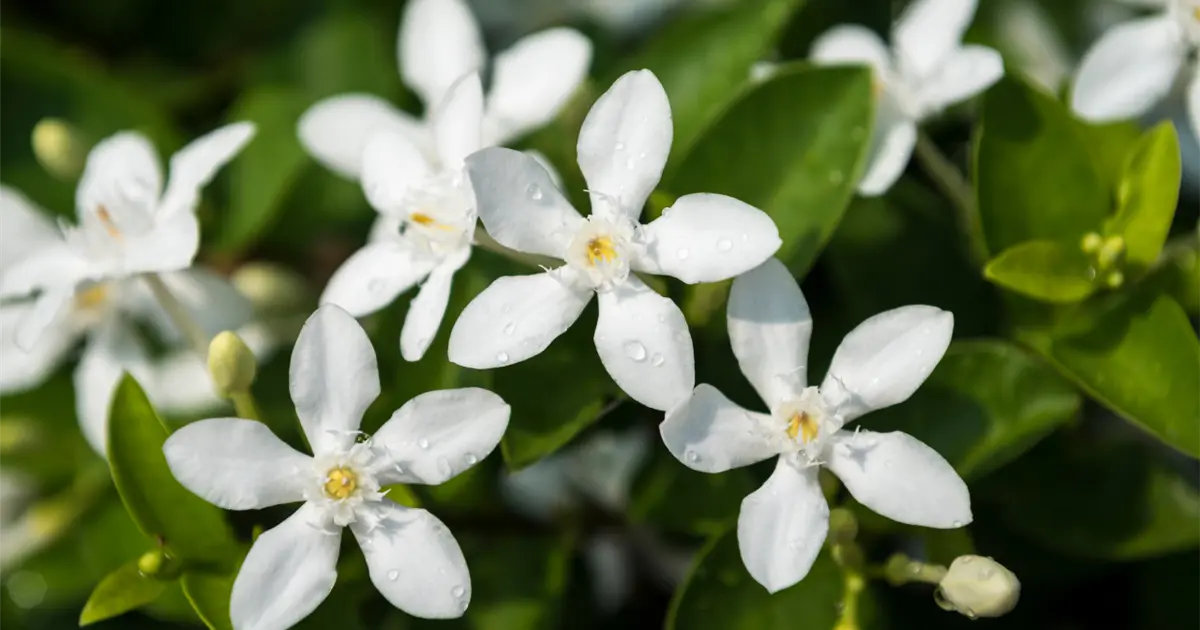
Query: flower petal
[645, 345]
[213, 303]
[624, 143]
[966, 72]
[56, 265]
[1193, 102]
[336, 130]
[899, 477]
[122, 176]
[170, 245]
[928, 31]
[373, 276]
[533, 80]
[1130, 69]
[391, 166]
[458, 121]
[196, 164]
[26, 227]
[782, 526]
[516, 318]
[769, 329]
[439, 42]
[851, 43]
[112, 350]
[426, 311]
[708, 238]
[439, 434]
[415, 562]
[290, 570]
[48, 312]
[236, 464]
[892, 144]
[519, 204]
[21, 370]
[886, 358]
[712, 434]
[334, 378]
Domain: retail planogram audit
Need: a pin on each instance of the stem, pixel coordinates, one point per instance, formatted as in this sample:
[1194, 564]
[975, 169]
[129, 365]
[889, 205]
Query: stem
[852, 588]
[179, 315]
[483, 240]
[244, 405]
[952, 184]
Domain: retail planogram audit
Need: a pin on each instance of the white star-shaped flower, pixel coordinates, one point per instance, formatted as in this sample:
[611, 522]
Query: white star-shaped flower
[641, 336]
[60, 283]
[411, 557]
[1134, 64]
[783, 524]
[927, 70]
[439, 43]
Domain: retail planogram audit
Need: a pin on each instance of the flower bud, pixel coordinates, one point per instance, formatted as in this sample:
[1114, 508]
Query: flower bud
[976, 586]
[151, 563]
[1110, 251]
[843, 526]
[1091, 243]
[1114, 280]
[270, 287]
[58, 148]
[231, 364]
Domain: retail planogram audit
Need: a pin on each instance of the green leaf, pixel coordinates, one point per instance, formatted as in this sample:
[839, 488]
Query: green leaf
[263, 174]
[1109, 145]
[1034, 173]
[719, 594]
[1049, 271]
[209, 596]
[1147, 196]
[984, 405]
[120, 592]
[192, 529]
[674, 497]
[703, 61]
[1138, 356]
[346, 51]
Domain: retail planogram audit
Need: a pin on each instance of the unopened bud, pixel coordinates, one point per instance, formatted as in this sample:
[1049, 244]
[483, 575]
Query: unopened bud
[1091, 243]
[231, 364]
[976, 586]
[843, 526]
[1110, 251]
[270, 287]
[1114, 280]
[58, 148]
[159, 565]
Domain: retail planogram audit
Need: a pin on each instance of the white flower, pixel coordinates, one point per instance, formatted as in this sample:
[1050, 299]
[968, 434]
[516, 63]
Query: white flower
[927, 70]
[641, 336]
[882, 362]
[239, 464]
[1135, 64]
[60, 283]
[426, 222]
[439, 43]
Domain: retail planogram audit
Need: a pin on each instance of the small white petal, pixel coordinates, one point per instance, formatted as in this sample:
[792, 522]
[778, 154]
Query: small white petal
[122, 175]
[892, 145]
[24, 227]
[426, 311]
[519, 204]
[236, 464]
[782, 526]
[212, 301]
[391, 166]
[196, 164]
[887, 357]
[290, 570]
[965, 73]
[439, 434]
[722, 238]
[712, 434]
[1193, 102]
[53, 266]
[112, 350]
[898, 476]
[1130, 69]
[928, 31]
[415, 563]
[516, 318]
[439, 42]
[458, 121]
[645, 345]
[769, 329]
[334, 378]
[21, 370]
[373, 276]
[624, 143]
[336, 130]
[170, 245]
[851, 43]
[533, 80]
[49, 311]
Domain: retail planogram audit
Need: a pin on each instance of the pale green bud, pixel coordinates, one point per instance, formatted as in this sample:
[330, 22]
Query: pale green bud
[270, 287]
[231, 364]
[59, 148]
[1091, 243]
[843, 526]
[1114, 280]
[151, 563]
[1110, 251]
[976, 586]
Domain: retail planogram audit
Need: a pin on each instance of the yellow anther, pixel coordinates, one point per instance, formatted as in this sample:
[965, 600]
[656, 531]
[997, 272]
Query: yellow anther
[341, 483]
[109, 225]
[1196, 14]
[424, 220]
[600, 249]
[92, 297]
[803, 425]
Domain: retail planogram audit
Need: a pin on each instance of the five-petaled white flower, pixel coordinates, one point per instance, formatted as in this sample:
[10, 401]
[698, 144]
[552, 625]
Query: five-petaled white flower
[61, 282]
[928, 70]
[439, 43]
[412, 558]
[783, 524]
[641, 336]
[1135, 64]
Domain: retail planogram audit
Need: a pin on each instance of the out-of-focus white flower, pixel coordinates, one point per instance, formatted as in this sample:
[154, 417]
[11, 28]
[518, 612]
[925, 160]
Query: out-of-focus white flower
[1029, 37]
[782, 525]
[239, 464]
[61, 283]
[439, 43]
[1135, 63]
[927, 70]
[642, 338]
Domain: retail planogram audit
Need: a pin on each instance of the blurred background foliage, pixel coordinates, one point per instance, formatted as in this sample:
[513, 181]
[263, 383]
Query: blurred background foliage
[1076, 426]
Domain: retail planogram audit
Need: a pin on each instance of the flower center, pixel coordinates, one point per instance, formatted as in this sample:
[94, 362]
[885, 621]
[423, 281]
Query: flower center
[340, 483]
[805, 422]
[438, 215]
[600, 250]
[92, 297]
[803, 425]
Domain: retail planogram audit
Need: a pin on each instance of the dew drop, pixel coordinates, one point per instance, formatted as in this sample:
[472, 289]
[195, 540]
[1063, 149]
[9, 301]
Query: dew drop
[957, 523]
[968, 559]
[462, 606]
[506, 308]
[393, 575]
[457, 591]
[724, 244]
[534, 191]
[745, 237]
[635, 350]
[692, 456]
[444, 467]
[630, 163]
[375, 286]
[985, 574]
[470, 459]
[642, 154]
[620, 146]
[682, 253]
[502, 357]
[657, 360]
[509, 328]
[423, 443]
[662, 319]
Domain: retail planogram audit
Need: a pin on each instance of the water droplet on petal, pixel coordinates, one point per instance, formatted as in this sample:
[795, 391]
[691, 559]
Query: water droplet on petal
[534, 191]
[457, 591]
[642, 154]
[635, 350]
[423, 443]
[506, 308]
[724, 244]
[470, 459]
[657, 360]
[630, 163]
[502, 357]
[662, 318]
[620, 146]
[375, 286]
[682, 253]
[509, 328]
[958, 523]
[692, 456]
[444, 467]
[462, 606]
[393, 575]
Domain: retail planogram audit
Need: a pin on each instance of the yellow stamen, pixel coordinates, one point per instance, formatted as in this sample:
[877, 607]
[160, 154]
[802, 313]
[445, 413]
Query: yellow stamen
[600, 249]
[803, 425]
[1196, 14]
[341, 483]
[92, 297]
[425, 220]
[877, 85]
[109, 225]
